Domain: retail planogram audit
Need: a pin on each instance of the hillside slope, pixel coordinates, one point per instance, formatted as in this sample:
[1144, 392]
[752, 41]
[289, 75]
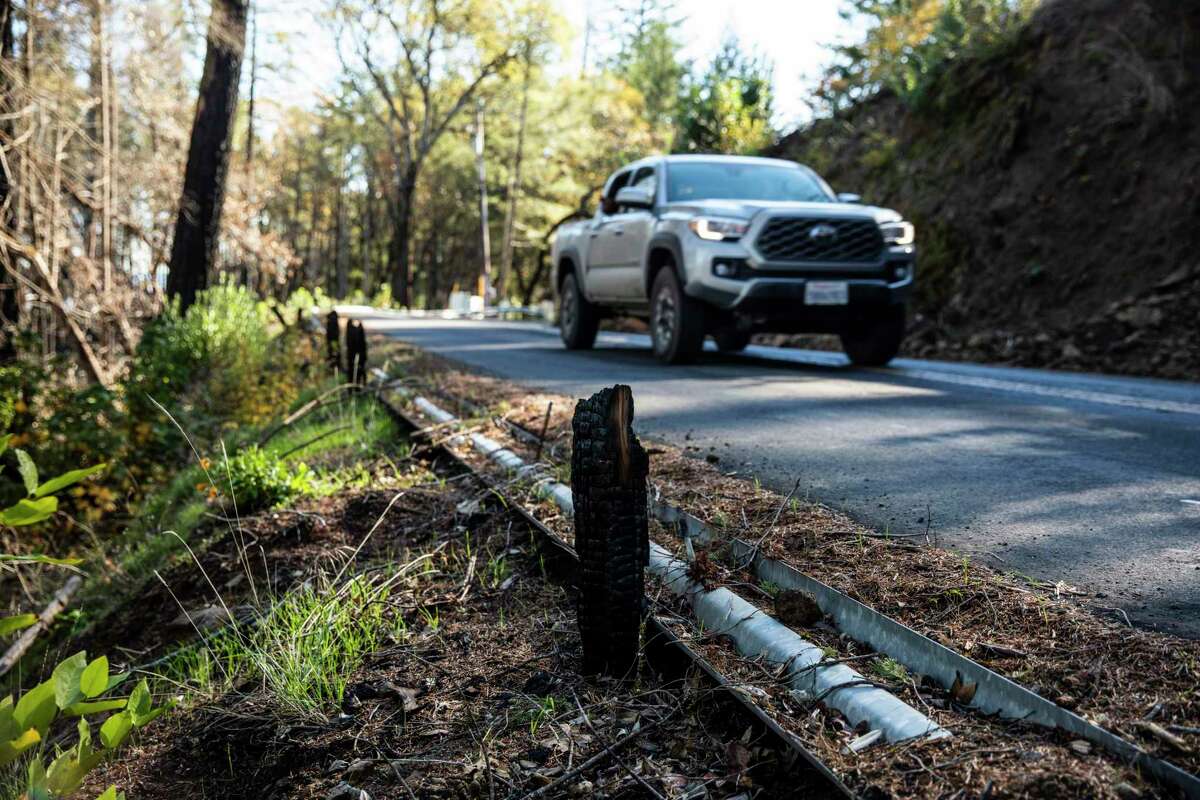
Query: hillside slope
[1056, 190]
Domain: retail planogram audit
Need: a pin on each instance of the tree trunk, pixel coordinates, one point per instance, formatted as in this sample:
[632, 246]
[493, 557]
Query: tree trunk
[514, 187]
[401, 223]
[10, 306]
[485, 238]
[198, 225]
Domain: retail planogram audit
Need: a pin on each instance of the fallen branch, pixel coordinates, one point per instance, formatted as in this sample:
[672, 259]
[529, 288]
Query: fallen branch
[603, 755]
[27, 637]
[303, 411]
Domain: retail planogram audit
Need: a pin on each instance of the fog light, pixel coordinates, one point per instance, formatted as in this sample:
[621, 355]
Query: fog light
[729, 268]
[900, 273]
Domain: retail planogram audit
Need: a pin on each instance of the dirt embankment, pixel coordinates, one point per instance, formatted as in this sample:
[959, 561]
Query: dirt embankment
[1055, 185]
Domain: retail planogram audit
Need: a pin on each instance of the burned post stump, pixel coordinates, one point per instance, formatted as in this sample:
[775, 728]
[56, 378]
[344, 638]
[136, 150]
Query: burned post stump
[356, 352]
[608, 482]
[333, 341]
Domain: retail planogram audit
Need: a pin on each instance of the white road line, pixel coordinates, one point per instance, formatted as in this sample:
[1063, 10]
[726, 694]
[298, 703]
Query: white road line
[1127, 401]
[1191, 502]
[818, 358]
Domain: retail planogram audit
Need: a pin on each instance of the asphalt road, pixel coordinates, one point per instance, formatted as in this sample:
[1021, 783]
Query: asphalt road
[1090, 480]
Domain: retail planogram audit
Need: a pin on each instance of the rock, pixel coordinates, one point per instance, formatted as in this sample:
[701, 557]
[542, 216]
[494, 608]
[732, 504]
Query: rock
[1081, 747]
[797, 609]
[337, 766]
[1126, 791]
[582, 789]
[360, 766]
[540, 684]
[344, 791]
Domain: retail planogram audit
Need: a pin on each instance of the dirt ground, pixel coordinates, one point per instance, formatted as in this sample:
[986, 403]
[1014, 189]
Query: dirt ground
[1131, 682]
[481, 698]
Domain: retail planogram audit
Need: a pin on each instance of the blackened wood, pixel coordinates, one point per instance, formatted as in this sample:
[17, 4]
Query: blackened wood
[356, 352]
[608, 482]
[333, 341]
[197, 226]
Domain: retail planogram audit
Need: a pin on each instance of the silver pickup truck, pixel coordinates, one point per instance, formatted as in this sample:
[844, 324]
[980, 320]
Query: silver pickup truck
[730, 246]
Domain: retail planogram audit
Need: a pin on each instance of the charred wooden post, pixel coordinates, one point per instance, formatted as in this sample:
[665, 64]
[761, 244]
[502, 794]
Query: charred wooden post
[333, 341]
[356, 352]
[608, 482]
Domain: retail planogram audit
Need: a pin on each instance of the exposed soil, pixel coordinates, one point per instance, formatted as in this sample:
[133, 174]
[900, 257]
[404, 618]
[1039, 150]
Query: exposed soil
[482, 698]
[1055, 186]
[1042, 636]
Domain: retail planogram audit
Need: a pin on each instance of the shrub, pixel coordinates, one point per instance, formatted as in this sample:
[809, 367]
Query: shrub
[258, 479]
[202, 365]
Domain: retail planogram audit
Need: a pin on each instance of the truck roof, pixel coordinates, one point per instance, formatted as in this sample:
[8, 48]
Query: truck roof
[678, 158]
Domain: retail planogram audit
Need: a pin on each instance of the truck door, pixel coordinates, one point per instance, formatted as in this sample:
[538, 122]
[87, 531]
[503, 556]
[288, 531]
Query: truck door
[605, 237]
[629, 245]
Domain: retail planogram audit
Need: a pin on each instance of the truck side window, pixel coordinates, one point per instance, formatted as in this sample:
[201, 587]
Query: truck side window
[609, 206]
[645, 178]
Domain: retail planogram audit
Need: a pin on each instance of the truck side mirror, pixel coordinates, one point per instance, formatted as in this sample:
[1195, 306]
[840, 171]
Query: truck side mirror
[635, 197]
[849, 197]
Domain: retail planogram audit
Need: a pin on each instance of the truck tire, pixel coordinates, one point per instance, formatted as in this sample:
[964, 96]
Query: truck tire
[676, 321]
[877, 341]
[578, 319]
[608, 485]
[731, 341]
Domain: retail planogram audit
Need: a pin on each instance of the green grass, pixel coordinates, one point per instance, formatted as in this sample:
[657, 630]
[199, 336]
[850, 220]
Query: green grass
[302, 652]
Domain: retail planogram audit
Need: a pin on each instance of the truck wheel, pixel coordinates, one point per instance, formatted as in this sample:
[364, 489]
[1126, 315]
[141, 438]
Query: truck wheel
[731, 341]
[876, 342]
[676, 321]
[578, 320]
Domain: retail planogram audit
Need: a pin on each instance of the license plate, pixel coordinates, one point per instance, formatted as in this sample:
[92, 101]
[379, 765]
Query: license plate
[826, 293]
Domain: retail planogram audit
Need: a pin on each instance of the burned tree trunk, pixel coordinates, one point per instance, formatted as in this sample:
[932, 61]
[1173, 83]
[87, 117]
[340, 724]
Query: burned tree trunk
[356, 352]
[333, 341]
[197, 227]
[608, 481]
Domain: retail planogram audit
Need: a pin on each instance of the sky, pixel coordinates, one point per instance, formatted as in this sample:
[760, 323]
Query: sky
[794, 35]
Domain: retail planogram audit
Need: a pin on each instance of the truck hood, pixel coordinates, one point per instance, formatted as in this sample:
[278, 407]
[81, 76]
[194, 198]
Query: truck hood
[748, 209]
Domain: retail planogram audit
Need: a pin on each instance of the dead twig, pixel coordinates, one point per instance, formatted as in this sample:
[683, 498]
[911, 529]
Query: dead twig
[13, 654]
[620, 761]
[553, 787]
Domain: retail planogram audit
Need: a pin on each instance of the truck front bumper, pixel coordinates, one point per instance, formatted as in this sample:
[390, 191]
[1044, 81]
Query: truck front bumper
[777, 304]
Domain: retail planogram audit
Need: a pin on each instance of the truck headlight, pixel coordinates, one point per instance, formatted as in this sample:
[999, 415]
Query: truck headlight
[715, 229]
[898, 232]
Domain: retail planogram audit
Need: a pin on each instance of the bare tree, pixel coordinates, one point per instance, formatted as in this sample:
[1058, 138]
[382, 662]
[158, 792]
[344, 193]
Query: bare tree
[10, 307]
[440, 68]
[198, 223]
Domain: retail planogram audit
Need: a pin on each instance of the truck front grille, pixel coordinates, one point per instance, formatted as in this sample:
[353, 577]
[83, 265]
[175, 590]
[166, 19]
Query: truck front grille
[841, 241]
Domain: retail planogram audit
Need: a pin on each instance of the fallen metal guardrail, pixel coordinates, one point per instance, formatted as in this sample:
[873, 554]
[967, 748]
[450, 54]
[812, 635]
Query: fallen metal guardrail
[993, 694]
[836, 684]
[662, 646]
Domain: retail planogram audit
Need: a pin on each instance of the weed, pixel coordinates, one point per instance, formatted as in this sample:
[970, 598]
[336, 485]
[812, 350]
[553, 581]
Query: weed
[891, 669]
[258, 479]
[432, 618]
[769, 587]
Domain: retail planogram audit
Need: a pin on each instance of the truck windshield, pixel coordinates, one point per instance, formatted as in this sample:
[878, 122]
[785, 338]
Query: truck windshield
[713, 180]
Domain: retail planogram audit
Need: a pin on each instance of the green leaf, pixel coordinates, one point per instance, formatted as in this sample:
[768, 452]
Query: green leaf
[4, 442]
[36, 708]
[28, 512]
[11, 749]
[94, 679]
[115, 729]
[67, 479]
[111, 793]
[66, 679]
[115, 680]
[28, 470]
[37, 787]
[139, 703]
[12, 624]
[98, 707]
[8, 726]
